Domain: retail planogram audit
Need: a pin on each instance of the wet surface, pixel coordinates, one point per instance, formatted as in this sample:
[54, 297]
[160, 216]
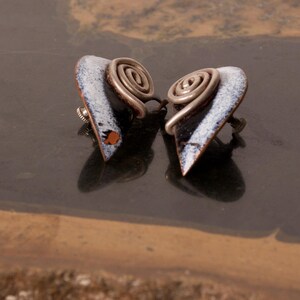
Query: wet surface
[46, 167]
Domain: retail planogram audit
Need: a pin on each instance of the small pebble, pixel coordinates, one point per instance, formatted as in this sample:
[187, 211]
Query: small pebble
[83, 280]
[11, 297]
[23, 295]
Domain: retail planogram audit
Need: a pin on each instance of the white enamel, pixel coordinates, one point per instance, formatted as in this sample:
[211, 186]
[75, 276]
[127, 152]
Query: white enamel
[90, 75]
[232, 87]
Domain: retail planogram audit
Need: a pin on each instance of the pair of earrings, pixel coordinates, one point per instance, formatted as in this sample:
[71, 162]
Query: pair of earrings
[114, 92]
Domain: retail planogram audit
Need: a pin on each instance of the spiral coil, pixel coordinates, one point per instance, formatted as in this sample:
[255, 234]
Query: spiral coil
[193, 91]
[132, 82]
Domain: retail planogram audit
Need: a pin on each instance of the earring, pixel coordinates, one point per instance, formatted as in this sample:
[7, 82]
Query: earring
[204, 100]
[113, 93]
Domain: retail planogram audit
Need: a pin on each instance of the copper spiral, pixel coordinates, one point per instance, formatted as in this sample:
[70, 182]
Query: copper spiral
[132, 82]
[193, 91]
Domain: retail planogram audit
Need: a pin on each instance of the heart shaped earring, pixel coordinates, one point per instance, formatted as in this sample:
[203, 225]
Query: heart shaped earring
[113, 93]
[204, 100]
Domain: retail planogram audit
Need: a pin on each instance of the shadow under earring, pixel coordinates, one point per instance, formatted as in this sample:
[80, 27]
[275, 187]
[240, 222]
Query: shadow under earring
[204, 101]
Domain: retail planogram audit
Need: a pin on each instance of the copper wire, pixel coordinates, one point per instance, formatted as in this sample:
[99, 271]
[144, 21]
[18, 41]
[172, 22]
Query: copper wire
[132, 82]
[193, 91]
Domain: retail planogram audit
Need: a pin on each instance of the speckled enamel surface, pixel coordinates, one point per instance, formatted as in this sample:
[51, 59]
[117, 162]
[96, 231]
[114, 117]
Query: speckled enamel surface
[90, 76]
[192, 143]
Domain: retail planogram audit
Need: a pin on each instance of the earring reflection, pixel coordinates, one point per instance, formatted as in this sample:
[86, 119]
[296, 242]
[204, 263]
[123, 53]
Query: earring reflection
[129, 163]
[215, 176]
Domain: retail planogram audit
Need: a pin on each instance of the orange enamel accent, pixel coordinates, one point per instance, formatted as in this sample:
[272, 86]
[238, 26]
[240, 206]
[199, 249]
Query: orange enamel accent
[112, 138]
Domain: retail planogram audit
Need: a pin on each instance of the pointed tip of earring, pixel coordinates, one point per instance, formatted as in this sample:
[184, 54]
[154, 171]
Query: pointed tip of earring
[107, 155]
[184, 172]
[110, 145]
[188, 157]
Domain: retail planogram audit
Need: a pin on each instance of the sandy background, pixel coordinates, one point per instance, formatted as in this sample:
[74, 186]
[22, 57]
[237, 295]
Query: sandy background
[157, 20]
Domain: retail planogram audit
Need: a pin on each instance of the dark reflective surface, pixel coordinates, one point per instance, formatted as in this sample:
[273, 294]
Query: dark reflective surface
[44, 164]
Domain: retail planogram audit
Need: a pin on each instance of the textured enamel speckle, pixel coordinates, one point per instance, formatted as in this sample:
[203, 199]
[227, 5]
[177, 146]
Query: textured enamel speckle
[90, 76]
[191, 145]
